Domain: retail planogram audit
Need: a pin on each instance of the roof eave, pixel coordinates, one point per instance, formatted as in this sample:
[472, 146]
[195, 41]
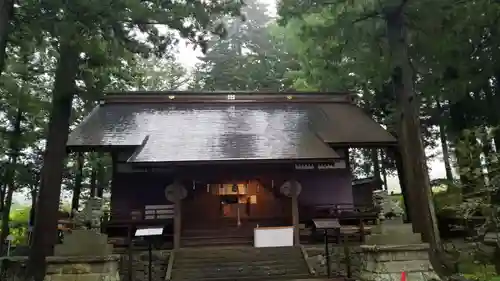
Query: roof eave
[99, 148]
[366, 144]
[234, 161]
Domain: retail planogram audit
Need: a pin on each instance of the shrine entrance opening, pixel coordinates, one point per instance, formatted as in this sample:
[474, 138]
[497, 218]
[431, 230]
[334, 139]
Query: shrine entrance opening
[231, 210]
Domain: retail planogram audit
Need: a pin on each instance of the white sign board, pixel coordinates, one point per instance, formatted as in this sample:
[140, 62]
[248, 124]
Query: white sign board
[149, 231]
[273, 237]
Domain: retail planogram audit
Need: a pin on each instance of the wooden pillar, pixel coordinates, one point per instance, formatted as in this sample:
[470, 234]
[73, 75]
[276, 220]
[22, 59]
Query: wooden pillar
[295, 211]
[178, 196]
[177, 223]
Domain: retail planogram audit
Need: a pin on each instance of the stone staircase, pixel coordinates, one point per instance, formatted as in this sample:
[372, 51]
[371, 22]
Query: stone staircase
[221, 236]
[239, 263]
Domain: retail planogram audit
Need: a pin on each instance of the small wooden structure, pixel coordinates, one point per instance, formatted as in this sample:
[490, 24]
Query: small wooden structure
[227, 159]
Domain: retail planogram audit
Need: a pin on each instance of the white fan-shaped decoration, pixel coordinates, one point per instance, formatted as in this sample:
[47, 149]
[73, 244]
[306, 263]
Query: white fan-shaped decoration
[286, 188]
[170, 192]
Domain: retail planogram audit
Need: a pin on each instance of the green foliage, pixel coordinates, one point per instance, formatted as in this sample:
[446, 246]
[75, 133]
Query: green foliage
[19, 224]
[478, 272]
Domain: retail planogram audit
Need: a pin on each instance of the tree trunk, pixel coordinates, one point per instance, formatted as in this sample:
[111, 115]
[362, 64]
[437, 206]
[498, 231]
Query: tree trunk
[6, 15]
[34, 200]
[93, 180]
[496, 100]
[3, 191]
[384, 169]
[411, 213]
[488, 152]
[45, 230]
[6, 218]
[376, 165]
[410, 137]
[444, 143]
[14, 148]
[468, 152]
[34, 195]
[352, 160]
[77, 189]
[101, 175]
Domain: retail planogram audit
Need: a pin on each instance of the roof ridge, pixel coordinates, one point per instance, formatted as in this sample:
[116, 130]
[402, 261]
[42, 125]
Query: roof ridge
[225, 97]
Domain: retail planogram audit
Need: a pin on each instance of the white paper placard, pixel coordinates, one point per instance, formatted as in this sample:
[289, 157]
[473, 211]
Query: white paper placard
[273, 237]
[149, 231]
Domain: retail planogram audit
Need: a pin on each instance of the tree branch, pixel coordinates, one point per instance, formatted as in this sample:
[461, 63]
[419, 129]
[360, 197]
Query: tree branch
[367, 16]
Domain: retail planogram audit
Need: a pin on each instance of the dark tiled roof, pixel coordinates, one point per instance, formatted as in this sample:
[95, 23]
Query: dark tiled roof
[166, 130]
[194, 132]
[348, 124]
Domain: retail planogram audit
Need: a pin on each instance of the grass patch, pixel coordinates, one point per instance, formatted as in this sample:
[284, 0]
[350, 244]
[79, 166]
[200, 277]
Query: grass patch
[477, 271]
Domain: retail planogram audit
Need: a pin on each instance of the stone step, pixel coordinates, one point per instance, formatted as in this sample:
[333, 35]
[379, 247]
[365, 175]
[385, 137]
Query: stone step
[246, 259]
[288, 277]
[238, 263]
[219, 233]
[184, 263]
[241, 255]
[242, 250]
[241, 267]
[216, 241]
[234, 274]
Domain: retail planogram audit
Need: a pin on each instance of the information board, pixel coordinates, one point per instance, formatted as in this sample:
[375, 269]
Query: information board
[141, 232]
[326, 223]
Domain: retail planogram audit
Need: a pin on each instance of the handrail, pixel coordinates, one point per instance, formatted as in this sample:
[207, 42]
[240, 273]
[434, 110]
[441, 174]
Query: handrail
[170, 266]
[311, 269]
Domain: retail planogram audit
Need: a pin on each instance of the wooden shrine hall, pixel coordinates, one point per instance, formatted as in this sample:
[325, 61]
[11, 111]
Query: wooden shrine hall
[217, 166]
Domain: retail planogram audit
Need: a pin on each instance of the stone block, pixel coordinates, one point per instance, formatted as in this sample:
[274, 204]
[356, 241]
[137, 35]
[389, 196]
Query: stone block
[395, 239]
[413, 276]
[72, 268]
[84, 243]
[84, 277]
[77, 268]
[387, 262]
[398, 266]
[397, 256]
[393, 233]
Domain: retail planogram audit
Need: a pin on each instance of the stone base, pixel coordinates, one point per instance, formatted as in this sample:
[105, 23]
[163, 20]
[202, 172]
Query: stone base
[316, 260]
[82, 242]
[387, 262]
[83, 269]
[69, 268]
[393, 233]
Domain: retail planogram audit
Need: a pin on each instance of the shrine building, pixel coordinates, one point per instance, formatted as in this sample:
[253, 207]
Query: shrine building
[212, 167]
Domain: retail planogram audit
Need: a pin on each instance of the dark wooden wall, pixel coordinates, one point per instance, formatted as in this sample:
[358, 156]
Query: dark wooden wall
[132, 189]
